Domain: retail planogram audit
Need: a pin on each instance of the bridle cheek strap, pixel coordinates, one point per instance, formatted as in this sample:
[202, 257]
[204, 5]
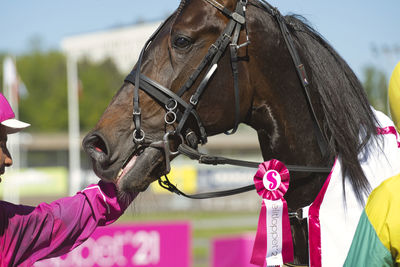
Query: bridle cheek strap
[164, 96]
[138, 133]
[230, 35]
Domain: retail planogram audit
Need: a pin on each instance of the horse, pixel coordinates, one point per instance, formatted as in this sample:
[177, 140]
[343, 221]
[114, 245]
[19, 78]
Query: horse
[214, 64]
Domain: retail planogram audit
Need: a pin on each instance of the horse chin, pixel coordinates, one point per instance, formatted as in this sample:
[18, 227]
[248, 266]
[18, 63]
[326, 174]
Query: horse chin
[141, 171]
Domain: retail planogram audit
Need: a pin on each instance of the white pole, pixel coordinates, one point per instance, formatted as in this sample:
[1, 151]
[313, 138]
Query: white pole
[11, 84]
[73, 126]
[10, 89]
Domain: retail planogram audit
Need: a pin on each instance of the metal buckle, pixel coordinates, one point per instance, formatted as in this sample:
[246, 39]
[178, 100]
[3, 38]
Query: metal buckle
[193, 101]
[166, 117]
[174, 102]
[243, 45]
[170, 111]
[166, 142]
[138, 139]
[235, 46]
[167, 150]
[298, 214]
[226, 36]
[138, 112]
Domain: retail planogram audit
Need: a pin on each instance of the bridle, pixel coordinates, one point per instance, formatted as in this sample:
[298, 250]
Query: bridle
[176, 107]
[179, 111]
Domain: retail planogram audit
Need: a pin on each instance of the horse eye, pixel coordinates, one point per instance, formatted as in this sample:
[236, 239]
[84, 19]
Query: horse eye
[182, 42]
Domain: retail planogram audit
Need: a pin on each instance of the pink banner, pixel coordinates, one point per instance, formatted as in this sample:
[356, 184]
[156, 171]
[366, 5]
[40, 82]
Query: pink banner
[153, 244]
[232, 251]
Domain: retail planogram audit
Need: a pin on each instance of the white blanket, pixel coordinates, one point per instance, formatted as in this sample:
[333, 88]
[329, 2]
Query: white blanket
[332, 219]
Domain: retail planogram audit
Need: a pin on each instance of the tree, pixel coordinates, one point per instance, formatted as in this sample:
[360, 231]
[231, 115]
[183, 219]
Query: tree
[99, 82]
[44, 75]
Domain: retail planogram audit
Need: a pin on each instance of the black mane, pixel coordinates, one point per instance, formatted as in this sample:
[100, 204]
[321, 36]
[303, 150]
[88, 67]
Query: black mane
[181, 6]
[347, 112]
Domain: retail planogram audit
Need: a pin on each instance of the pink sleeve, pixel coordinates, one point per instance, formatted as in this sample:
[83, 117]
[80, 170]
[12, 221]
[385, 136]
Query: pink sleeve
[28, 234]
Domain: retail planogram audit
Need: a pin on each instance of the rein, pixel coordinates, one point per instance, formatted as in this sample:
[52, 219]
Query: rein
[217, 160]
[178, 111]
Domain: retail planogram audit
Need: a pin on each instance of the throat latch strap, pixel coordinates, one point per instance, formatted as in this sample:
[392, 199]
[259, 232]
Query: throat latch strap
[166, 184]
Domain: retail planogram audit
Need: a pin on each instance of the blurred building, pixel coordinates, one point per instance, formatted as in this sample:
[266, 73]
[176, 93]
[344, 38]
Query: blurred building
[122, 45]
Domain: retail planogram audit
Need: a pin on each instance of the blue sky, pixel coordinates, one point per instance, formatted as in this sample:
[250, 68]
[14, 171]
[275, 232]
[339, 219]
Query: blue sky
[355, 28]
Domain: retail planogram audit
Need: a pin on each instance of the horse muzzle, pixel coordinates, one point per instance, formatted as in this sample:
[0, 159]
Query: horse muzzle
[132, 171]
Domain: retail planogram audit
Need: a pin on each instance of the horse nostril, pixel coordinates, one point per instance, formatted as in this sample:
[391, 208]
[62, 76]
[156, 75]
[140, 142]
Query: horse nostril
[100, 146]
[96, 146]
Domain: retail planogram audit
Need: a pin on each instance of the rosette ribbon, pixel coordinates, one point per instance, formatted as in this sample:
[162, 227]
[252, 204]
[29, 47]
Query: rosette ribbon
[273, 244]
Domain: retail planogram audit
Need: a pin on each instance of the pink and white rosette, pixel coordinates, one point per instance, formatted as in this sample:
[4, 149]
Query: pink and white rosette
[273, 244]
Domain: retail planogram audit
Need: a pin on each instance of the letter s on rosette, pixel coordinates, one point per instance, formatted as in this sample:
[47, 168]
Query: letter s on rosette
[273, 244]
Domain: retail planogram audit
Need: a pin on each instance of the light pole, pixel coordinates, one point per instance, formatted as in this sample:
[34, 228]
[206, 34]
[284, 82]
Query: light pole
[73, 126]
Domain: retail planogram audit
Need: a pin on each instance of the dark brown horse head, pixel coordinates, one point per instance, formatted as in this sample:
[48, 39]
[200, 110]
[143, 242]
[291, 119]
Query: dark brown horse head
[170, 59]
[272, 99]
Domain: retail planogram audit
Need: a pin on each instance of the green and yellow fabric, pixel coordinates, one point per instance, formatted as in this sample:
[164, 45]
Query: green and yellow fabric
[394, 96]
[377, 238]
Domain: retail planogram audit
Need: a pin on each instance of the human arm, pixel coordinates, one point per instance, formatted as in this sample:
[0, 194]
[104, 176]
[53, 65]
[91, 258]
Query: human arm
[28, 234]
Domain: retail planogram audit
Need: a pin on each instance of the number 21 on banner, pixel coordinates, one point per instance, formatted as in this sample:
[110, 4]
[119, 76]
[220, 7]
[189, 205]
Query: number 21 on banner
[148, 244]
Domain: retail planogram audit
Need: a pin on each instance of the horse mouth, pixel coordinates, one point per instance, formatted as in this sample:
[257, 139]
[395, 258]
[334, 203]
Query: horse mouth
[140, 170]
[126, 168]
